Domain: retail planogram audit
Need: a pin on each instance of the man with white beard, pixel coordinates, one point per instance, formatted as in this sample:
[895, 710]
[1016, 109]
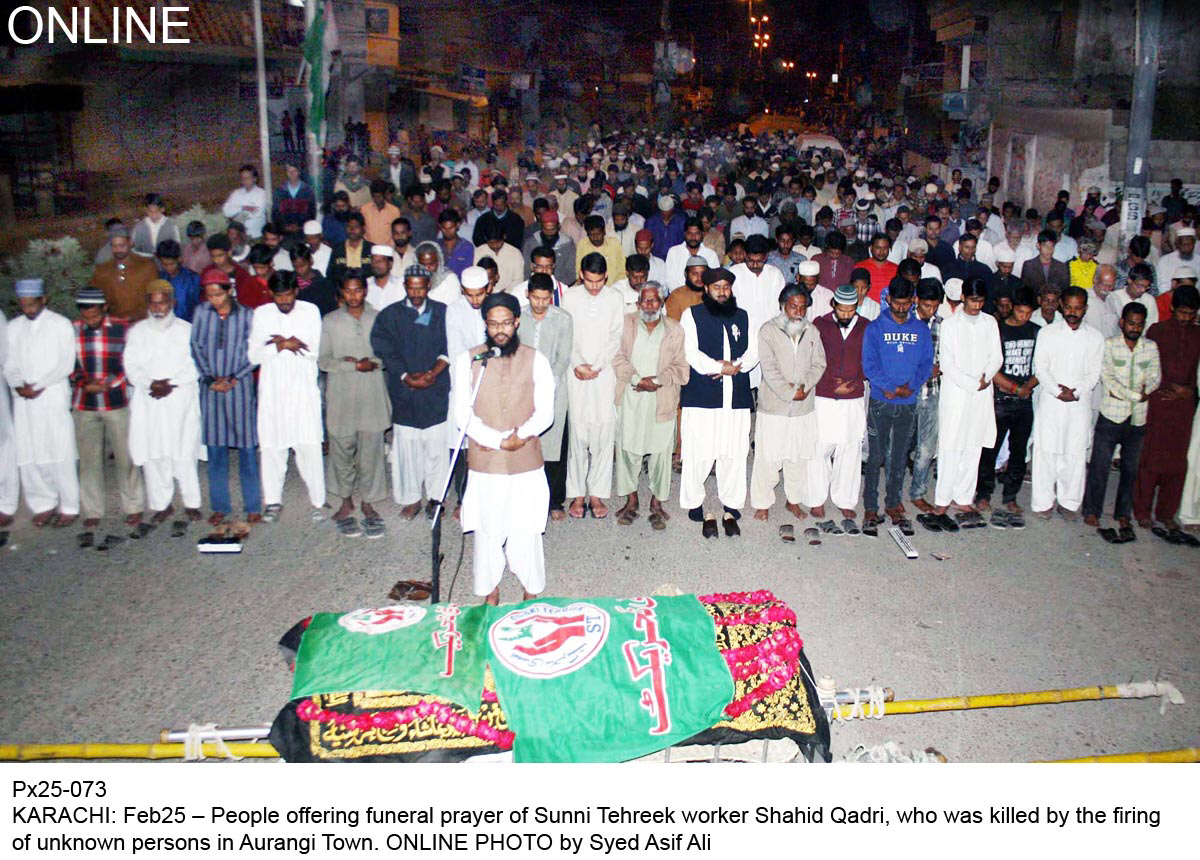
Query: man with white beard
[285, 340]
[792, 359]
[1183, 255]
[969, 356]
[164, 411]
[1067, 362]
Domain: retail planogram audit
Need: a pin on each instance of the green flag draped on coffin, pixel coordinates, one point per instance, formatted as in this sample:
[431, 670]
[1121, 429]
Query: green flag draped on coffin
[439, 650]
[606, 679]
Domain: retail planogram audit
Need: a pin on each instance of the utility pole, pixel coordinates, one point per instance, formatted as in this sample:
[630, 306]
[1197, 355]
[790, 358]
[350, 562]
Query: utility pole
[264, 126]
[1141, 117]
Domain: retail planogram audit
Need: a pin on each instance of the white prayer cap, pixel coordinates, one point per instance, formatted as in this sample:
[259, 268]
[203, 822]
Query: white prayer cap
[383, 251]
[393, 150]
[561, 176]
[953, 288]
[1184, 273]
[666, 202]
[931, 188]
[313, 228]
[919, 245]
[1004, 254]
[1184, 232]
[860, 173]
[436, 149]
[1155, 210]
[30, 288]
[474, 278]
[809, 269]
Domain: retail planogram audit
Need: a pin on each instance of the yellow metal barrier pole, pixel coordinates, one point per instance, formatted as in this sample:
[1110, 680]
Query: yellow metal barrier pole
[990, 700]
[1186, 755]
[46, 752]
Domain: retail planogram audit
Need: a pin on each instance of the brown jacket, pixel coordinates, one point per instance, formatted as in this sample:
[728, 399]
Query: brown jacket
[125, 289]
[673, 368]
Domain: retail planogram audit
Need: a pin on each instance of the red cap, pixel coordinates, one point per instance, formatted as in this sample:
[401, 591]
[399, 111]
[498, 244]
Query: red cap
[643, 236]
[213, 275]
[549, 217]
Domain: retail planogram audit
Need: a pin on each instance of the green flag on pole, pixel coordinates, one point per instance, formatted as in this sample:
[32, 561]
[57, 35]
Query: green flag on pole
[317, 56]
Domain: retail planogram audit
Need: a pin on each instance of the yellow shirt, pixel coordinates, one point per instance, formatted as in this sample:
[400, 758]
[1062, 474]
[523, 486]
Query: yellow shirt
[1082, 274]
[612, 252]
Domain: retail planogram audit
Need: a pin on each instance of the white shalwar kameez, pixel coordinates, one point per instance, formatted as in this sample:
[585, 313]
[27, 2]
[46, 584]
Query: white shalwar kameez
[164, 433]
[10, 481]
[758, 296]
[835, 473]
[41, 352]
[507, 513]
[969, 348]
[289, 401]
[719, 437]
[1063, 356]
[592, 411]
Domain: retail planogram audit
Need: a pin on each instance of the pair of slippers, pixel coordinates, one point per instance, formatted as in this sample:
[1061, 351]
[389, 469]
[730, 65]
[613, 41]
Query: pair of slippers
[87, 540]
[410, 589]
[1177, 537]
[787, 533]
[938, 522]
[847, 527]
[372, 527]
[1125, 534]
[1007, 520]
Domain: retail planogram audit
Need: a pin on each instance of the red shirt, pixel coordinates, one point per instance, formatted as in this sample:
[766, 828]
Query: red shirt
[881, 276]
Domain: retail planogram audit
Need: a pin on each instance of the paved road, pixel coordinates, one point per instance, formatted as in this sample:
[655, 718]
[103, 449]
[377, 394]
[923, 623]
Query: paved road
[115, 646]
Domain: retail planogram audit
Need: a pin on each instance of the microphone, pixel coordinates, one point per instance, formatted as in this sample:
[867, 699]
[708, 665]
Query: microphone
[494, 352]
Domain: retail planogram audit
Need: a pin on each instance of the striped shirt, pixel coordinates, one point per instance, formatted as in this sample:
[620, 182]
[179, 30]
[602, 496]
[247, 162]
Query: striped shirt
[1125, 375]
[99, 354]
[219, 350]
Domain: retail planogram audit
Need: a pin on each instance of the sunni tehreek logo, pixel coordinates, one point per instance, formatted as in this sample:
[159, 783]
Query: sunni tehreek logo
[159, 25]
[382, 620]
[543, 641]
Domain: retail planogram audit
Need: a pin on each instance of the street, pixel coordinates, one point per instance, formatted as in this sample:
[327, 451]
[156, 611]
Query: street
[116, 646]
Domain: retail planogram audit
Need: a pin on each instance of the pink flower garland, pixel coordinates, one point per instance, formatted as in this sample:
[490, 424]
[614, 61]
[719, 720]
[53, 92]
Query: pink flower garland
[776, 657]
[386, 720]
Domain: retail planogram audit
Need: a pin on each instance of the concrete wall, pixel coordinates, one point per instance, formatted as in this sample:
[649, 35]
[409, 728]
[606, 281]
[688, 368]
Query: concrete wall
[1036, 153]
[1168, 159]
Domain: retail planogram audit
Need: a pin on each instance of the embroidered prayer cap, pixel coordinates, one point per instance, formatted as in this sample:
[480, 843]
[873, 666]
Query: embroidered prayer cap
[89, 296]
[313, 228]
[846, 294]
[30, 288]
[383, 251]
[417, 271]
[158, 285]
[696, 260]
[474, 278]
[863, 204]
[712, 276]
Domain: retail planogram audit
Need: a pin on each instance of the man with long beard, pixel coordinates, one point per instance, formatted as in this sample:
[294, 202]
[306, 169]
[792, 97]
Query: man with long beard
[507, 496]
[716, 401]
[164, 411]
[650, 367]
[793, 361]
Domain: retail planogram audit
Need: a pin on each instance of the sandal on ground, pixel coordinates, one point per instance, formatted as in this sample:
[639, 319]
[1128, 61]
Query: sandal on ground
[870, 526]
[905, 526]
[348, 527]
[657, 520]
[947, 523]
[787, 533]
[318, 515]
[812, 536]
[141, 530]
[595, 515]
[409, 589]
[577, 513]
[969, 520]
[109, 542]
[930, 522]
[625, 517]
[271, 513]
[829, 527]
[1165, 534]
[1126, 534]
[1016, 521]
[86, 540]
[1180, 536]
[850, 527]
[179, 528]
[732, 529]
[999, 519]
[709, 528]
[373, 527]
[1109, 535]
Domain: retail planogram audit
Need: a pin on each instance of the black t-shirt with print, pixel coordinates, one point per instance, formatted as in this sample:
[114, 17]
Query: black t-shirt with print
[1016, 344]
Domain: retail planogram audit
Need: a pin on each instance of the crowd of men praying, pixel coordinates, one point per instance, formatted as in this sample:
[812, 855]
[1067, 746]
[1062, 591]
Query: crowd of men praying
[744, 305]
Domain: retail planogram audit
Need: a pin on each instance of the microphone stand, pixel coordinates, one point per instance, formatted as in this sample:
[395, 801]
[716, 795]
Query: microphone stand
[436, 559]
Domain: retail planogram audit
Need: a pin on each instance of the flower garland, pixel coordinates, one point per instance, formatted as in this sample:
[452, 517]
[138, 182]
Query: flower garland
[309, 711]
[776, 657]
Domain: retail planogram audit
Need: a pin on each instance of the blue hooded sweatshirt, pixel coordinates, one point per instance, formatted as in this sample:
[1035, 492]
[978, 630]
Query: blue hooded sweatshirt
[897, 353]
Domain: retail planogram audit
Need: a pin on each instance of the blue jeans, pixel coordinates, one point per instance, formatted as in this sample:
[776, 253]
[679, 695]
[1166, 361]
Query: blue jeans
[889, 432]
[926, 447]
[218, 480]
